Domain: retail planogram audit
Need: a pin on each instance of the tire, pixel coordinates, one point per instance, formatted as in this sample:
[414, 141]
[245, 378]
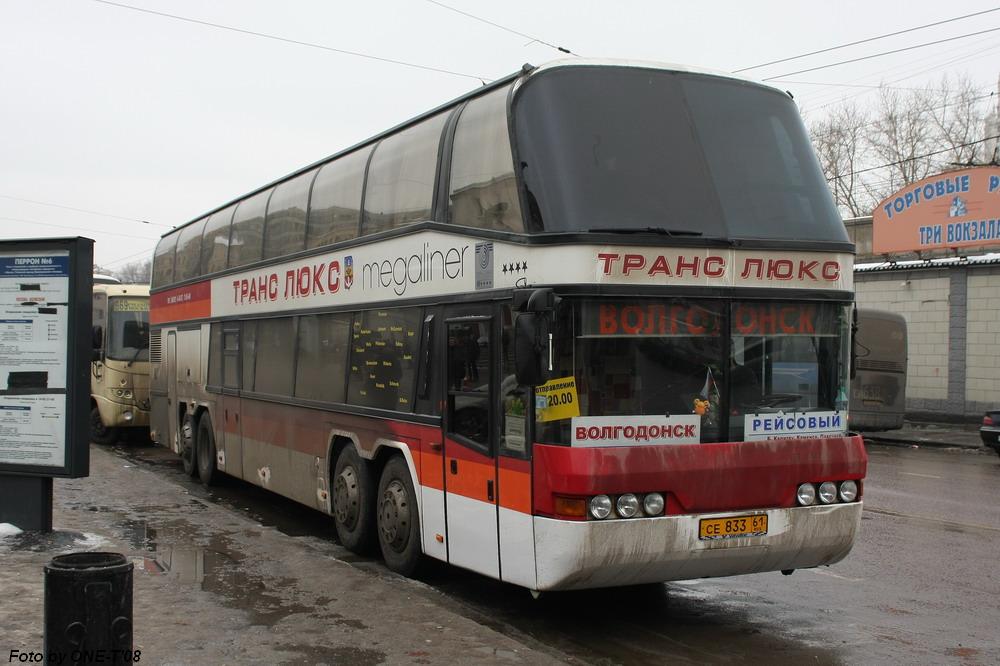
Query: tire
[398, 518]
[100, 433]
[205, 451]
[354, 502]
[188, 446]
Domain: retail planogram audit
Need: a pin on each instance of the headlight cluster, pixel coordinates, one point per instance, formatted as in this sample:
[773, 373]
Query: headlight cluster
[627, 505]
[122, 393]
[827, 492]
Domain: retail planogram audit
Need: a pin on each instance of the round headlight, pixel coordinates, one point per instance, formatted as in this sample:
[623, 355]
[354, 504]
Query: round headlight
[627, 505]
[652, 504]
[828, 492]
[600, 506]
[848, 491]
[806, 494]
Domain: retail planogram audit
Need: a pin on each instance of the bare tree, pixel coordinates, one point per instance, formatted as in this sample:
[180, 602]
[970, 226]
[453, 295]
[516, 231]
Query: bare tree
[959, 122]
[839, 141]
[137, 272]
[900, 135]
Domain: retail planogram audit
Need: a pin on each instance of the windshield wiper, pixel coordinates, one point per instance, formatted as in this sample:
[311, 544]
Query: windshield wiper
[663, 231]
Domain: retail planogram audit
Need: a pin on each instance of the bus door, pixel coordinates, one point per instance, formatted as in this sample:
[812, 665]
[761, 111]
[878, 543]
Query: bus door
[470, 474]
[231, 427]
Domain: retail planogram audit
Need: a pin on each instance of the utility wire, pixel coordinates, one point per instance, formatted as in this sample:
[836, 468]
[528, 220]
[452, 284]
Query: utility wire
[287, 40]
[864, 41]
[867, 57]
[77, 229]
[504, 28]
[915, 157]
[84, 210]
[108, 264]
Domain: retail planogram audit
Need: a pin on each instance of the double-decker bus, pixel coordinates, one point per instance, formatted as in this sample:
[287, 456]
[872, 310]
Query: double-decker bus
[878, 390]
[119, 369]
[586, 326]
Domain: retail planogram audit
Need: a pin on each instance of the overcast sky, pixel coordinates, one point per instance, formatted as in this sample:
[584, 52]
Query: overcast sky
[143, 117]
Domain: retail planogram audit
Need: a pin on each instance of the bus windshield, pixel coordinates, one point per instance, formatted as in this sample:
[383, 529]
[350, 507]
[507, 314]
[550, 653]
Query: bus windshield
[690, 156]
[715, 359]
[128, 329]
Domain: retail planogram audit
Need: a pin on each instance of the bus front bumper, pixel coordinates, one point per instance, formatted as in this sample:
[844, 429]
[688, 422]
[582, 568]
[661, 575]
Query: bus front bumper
[587, 554]
[116, 414]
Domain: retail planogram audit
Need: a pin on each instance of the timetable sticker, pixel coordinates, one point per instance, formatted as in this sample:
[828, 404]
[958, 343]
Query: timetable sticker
[556, 400]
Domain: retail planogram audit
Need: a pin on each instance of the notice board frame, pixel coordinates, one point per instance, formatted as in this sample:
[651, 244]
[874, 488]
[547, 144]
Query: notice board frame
[76, 394]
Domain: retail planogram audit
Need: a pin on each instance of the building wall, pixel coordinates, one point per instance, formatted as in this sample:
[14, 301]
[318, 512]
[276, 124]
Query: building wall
[953, 323]
[922, 299]
[982, 379]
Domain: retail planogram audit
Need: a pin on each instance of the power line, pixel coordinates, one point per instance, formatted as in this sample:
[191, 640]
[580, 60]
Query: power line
[867, 57]
[107, 264]
[915, 157]
[287, 40]
[77, 229]
[506, 29]
[84, 210]
[864, 41]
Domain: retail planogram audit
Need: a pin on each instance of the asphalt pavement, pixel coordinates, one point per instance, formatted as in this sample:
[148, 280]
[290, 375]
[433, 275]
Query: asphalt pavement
[913, 433]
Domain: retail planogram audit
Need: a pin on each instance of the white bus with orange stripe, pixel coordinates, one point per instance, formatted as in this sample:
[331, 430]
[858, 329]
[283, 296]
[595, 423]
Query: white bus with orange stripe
[586, 326]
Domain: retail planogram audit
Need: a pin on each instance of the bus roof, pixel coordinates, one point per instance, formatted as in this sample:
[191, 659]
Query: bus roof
[527, 70]
[140, 290]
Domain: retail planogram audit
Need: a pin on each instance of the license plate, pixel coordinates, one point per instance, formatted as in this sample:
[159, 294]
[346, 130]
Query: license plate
[871, 393]
[732, 527]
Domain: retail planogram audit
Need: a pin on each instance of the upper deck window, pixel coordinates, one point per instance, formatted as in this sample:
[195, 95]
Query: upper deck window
[630, 149]
[189, 252]
[335, 207]
[246, 242]
[400, 187]
[163, 261]
[483, 189]
[215, 241]
[285, 229]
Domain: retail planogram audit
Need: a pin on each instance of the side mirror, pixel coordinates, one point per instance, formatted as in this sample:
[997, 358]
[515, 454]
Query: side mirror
[854, 342]
[531, 342]
[97, 343]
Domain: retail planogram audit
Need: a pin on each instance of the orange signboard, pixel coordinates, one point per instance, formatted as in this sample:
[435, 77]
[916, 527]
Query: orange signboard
[950, 210]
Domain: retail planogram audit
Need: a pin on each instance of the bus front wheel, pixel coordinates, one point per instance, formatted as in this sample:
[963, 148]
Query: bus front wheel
[398, 518]
[206, 450]
[100, 433]
[353, 501]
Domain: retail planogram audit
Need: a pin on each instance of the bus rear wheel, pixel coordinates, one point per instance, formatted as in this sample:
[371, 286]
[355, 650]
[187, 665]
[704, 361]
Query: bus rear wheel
[206, 450]
[100, 433]
[398, 518]
[187, 446]
[353, 501]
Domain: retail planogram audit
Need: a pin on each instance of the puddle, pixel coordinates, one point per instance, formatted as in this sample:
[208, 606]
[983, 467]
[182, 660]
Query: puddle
[217, 567]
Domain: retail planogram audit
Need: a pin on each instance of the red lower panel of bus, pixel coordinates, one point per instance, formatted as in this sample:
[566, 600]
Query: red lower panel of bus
[697, 478]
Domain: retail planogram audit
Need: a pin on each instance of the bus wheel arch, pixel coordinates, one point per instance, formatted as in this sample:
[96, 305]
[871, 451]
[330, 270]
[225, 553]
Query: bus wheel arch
[352, 490]
[100, 433]
[398, 517]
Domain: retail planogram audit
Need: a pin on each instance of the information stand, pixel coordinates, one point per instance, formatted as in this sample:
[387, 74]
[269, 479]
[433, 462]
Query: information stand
[45, 317]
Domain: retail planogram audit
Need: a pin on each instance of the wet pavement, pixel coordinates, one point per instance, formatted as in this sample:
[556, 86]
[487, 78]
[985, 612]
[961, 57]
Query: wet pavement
[237, 574]
[214, 585]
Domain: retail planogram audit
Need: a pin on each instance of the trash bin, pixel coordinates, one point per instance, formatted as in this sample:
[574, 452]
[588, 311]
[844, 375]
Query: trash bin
[88, 608]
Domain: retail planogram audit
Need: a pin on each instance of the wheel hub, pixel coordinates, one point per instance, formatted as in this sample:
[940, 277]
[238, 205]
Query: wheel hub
[345, 497]
[394, 516]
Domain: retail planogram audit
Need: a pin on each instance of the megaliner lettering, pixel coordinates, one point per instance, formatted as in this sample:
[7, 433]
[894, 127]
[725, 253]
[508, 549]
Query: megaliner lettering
[426, 266]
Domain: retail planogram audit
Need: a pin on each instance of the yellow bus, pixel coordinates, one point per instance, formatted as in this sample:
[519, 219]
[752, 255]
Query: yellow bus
[119, 369]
